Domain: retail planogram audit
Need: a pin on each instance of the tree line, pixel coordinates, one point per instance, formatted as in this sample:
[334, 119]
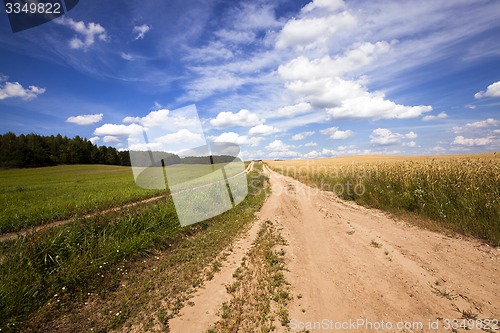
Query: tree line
[33, 150]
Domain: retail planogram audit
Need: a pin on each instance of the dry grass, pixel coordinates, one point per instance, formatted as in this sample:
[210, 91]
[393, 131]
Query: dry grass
[459, 192]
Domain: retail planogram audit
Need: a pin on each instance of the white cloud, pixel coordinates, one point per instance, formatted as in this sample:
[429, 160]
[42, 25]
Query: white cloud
[490, 122]
[234, 36]
[476, 142]
[331, 5]
[411, 135]
[278, 145]
[94, 139]
[15, 89]
[493, 90]
[85, 119]
[88, 32]
[344, 98]
[441, 115]
[284, 154]
[141, 30]
[311, 144]
[302, 68]
[411, 144]
[336, 134]
[323, 153]
[118, 130]
[292, 110]
[242, 118]
[313, 32]
[131, 120]
[152, 119]
[302, 136]
[182, 136]
[385, 137]
[233, 137]
[111, 139]
[263, 130]
[470, 106]
[155, 118]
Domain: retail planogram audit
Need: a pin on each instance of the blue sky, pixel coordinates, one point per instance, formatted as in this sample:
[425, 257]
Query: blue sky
[283, 79]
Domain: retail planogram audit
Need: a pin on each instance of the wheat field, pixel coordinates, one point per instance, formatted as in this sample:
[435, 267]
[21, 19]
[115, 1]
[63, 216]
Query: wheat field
[459, 192]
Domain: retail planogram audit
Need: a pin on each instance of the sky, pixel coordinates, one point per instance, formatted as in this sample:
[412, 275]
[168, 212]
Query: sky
[281, 79]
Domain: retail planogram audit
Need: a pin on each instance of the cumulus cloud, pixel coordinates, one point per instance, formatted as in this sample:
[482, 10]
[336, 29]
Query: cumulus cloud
[335, 134]
[310, 32]
[441, 115]
[111, 139]
[15, 89]
[85, 119]
[302, 136]
[152, 119]
[473, 142]
[243, 118]
[322, 153]
[118, 130]
[490, 122]
[94, 139]
[292, 110]
[88, 32]
[141, 30]
[237, 139]
[311, 144]
[182, 136]
[385, 137]
[493, 90]
[263, 130]
[320, 82]
[278, 145]
[301, 68]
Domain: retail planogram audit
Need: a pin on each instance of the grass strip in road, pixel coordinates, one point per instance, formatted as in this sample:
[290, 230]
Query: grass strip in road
[260, 293]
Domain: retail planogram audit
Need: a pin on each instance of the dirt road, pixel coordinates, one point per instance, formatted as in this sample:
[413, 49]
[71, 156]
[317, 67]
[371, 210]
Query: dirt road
[356, 269]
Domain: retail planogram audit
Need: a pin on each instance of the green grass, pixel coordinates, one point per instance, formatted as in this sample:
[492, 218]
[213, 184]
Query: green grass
[36, 196]
[461, 193]
[260, 293]
[47, 276]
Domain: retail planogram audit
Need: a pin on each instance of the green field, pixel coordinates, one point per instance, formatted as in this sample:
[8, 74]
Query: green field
[36, 196]
[45, 276]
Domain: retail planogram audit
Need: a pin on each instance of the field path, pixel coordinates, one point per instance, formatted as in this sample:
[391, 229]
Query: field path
[34, 229]
[347, 262]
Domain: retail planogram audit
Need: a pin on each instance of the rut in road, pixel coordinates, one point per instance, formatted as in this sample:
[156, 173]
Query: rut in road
[349, 263]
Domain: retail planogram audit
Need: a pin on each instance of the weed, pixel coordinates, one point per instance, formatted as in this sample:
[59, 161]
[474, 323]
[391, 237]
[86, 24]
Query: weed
[375, 244]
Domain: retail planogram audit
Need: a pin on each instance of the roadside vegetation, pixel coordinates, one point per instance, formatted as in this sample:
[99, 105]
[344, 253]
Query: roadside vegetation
[458, 192]
[103, 272]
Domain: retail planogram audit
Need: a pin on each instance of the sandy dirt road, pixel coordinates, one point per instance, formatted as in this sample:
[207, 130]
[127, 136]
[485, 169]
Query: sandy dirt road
[349, 264]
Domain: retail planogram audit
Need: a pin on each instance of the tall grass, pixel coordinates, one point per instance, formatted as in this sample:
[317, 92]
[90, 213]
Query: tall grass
[81, 257]
[461, 193]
